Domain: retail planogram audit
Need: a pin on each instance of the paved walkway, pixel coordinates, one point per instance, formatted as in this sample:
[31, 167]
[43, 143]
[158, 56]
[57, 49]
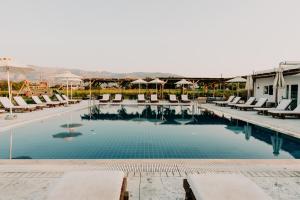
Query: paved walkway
[148, 179]
[287, 126]
[28, 117]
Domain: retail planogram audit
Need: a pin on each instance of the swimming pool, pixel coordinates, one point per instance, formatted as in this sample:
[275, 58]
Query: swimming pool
[144, 132]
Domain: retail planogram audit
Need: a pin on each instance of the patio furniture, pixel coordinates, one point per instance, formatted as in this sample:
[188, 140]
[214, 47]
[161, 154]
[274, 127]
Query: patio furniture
[250, 101]
[221, 103]
[283, 105]
[141, 98]
[72, 101]
[185, 98]
[49, 101]
[101, 185]
[172, 98]
[105, 98]
[222, 187]
[118, 98]
[38, 101]
[153, 98]
[21, 102]
[259, 104]
[285, 113]
[8, 105]
[60, 99]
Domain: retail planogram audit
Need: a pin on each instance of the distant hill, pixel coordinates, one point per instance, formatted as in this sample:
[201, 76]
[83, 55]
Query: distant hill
[47, 73]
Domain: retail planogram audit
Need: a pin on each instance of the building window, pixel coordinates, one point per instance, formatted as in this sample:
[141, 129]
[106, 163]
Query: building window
[270, 89]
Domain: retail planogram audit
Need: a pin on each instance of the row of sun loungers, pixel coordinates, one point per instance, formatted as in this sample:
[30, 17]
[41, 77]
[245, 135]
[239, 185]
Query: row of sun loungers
[141, 98]
[281, 110]
[112, 185]
[23, 106]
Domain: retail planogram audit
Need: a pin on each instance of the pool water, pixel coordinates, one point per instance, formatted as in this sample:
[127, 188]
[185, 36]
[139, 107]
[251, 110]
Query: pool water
[144, 132]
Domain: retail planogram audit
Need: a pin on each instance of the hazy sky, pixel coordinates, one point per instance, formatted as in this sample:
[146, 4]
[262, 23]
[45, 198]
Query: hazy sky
[187, 37]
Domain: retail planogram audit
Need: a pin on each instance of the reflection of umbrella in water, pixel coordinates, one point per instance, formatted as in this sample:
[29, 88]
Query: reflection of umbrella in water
[71, 125]
[248, 131]
[276, 144]
[65, 135]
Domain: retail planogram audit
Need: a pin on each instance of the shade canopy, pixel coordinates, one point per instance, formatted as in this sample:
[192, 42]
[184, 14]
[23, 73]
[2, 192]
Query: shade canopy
[237, 80]
[139, 81]
[184, 82]
[249, 83]
[157, 81]
[72, 79]
[279, 81]
[7, 66]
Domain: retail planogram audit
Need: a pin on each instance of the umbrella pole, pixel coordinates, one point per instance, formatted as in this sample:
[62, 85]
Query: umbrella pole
[9, 92]
[68, 90]
[71, 91]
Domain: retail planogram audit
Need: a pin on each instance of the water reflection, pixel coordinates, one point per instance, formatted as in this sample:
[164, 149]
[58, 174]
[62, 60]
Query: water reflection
[157, 114]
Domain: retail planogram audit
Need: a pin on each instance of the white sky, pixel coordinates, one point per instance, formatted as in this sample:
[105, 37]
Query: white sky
[187, 37]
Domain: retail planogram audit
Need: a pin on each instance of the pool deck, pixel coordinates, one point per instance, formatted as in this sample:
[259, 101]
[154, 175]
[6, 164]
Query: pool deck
[289, 126]
[151, 179]
[148, 179]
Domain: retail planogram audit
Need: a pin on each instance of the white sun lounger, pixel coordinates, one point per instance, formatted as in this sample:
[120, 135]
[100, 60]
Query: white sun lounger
[105, 98]
[49, 101]
[185, 98]
[7, 105]
[250, 101]
[172, 98]
[92, 185]
[60, 99]
[284, 113]
[141, 98]
[283, 105]
[222, 187]
[2, 111]
[38, 101]
[259, 104]
[70, 100]
[118, 98]
[21, 102]
[224, 102]
[153, 98]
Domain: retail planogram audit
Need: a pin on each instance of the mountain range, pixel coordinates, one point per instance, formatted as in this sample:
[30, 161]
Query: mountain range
[47, 73]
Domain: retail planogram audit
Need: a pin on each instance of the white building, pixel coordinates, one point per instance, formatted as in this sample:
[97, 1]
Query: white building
[263, 84]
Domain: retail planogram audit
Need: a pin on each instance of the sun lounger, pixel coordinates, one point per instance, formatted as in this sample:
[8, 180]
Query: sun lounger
[2, 111]
[230, 99]
[141, 98]
[102, 185]
[172, 98]
[72, 101]
[285, 113]
[259, 104]
[283, 105]
[38, 101]
[250, 101]
[118, 98]
[233, 102]
[153, 98]
[185, 98]
[60, 99]
[222, 187]
[105, 98]
[49, 101]
[7, 105]
[21, 102]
